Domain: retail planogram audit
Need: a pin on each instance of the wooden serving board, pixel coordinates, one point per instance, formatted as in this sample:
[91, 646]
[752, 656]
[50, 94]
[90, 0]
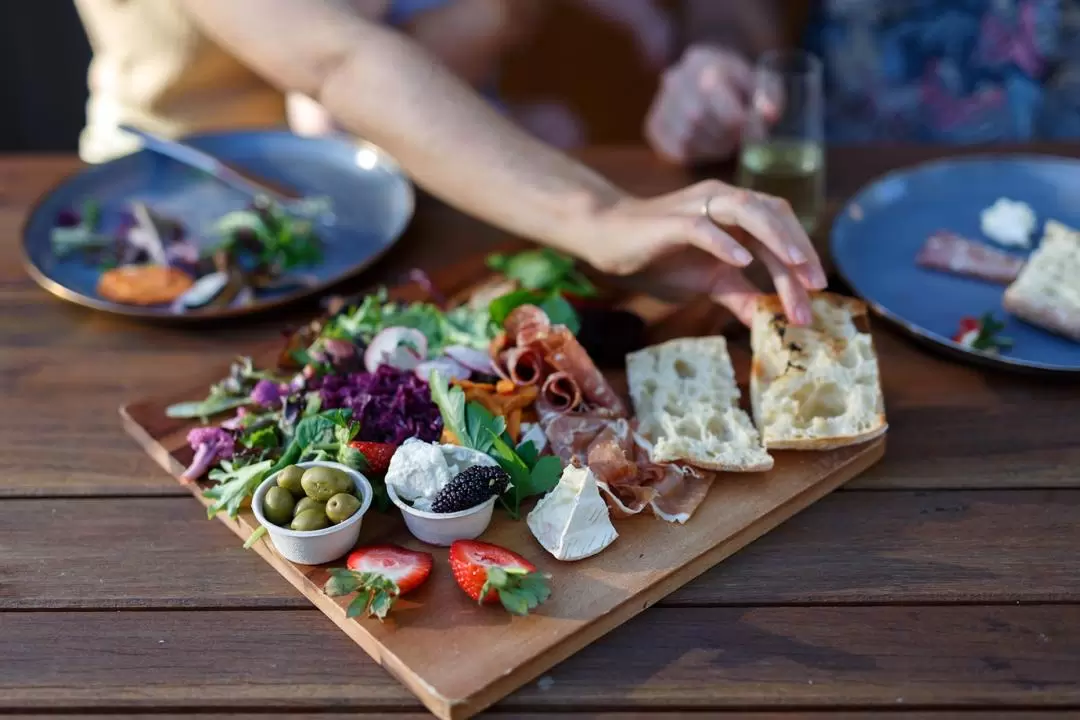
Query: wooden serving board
[459, 658]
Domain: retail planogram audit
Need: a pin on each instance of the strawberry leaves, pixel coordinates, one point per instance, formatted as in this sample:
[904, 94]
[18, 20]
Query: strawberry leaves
[375, 593]
[519, 590]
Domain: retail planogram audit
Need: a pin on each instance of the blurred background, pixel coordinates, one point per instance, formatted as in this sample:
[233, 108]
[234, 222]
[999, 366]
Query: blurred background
[43, 89]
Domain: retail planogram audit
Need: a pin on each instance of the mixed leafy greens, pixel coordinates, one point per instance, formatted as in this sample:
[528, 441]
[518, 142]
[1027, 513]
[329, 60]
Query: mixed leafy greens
[474, 427]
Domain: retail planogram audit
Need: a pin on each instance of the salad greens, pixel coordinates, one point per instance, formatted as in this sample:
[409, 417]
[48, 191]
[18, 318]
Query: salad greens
[285, 241]
[554, 305]
[78, 230]
[544, 270]
[231, 393]
[324, 436]
[474, 427]
[460, 326]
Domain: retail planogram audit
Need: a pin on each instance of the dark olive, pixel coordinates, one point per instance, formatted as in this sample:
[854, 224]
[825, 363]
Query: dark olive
[289, 478]
[341, 507]
[278, 505]
[322, 483]
[314, 519]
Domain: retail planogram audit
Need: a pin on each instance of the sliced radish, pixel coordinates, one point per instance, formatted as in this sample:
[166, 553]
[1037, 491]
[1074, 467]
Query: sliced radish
[476, 360]
[448, 369]
[400, 347]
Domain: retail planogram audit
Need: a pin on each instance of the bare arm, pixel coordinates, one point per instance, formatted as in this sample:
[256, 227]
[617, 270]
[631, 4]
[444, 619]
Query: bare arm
[382, 86]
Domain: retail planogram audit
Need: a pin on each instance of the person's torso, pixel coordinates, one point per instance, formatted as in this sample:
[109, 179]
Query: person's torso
[949, 71]
[152, 67]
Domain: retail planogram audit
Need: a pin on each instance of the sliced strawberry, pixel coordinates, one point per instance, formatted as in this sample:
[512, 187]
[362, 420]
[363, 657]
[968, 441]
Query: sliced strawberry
[488, 574]
[967, 324]
[377, 454]
[378, 575]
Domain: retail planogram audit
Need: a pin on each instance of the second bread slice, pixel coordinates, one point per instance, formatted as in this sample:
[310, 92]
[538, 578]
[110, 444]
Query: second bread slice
[687, 404]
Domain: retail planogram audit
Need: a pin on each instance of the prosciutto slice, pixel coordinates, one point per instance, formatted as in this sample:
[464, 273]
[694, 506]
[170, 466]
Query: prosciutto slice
[630, 483]
[947, 252]
[563, 352]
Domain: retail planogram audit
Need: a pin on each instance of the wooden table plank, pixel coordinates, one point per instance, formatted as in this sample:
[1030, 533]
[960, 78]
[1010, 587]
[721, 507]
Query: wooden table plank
[932, 657]
[855, 547]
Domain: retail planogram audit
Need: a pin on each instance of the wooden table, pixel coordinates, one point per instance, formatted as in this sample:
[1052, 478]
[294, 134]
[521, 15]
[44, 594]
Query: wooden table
[945, 581]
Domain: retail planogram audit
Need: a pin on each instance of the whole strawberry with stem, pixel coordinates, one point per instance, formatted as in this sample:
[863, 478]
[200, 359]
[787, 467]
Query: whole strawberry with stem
[378, 575]
[490, 574]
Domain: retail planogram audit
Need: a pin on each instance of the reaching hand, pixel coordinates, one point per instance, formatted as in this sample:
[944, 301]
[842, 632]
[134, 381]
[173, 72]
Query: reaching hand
[656, 234]
[701, 108]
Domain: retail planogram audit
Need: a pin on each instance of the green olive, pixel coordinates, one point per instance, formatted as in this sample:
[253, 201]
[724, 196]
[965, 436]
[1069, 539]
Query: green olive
[278, 505]
[322, 483]
[289, 478]
[314, 519]
[341, 507]
[306, 503]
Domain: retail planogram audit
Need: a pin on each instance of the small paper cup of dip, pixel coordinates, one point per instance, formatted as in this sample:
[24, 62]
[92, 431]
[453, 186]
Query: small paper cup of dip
[444, 528]
[315, 547]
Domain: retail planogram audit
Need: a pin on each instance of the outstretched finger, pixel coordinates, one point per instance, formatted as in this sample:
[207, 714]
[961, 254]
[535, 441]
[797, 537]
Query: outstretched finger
[770, 220]
[793, 295]
[701, 232]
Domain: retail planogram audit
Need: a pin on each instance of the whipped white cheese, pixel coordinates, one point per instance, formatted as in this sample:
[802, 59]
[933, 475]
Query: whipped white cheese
[572, 521]
[419, 470]
[1008, 222]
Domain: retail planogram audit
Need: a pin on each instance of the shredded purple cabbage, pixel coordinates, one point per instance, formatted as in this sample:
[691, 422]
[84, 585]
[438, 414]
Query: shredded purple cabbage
[391, 405]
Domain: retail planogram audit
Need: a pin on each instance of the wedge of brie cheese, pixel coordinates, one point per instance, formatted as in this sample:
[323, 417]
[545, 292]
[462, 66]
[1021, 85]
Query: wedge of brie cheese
[572, 520]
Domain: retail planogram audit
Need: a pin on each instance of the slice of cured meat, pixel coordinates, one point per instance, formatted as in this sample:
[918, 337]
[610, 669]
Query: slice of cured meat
[524, 365]
[526, 324]
[563, 352]
[561, 393]
[951, 253]
[630, 483]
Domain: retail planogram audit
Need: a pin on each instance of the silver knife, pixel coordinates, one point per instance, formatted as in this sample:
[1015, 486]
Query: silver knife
[244, 182]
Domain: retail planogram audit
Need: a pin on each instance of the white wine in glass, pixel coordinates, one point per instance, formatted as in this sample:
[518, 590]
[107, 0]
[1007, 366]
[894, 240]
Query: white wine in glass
[787, 168]
[783, 151]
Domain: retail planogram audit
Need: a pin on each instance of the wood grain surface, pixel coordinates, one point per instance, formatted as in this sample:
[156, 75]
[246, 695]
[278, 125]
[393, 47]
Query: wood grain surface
[1002, 546]
[947, 577]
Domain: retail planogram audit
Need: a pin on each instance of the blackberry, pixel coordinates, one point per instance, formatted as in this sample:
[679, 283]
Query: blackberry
[469, 488]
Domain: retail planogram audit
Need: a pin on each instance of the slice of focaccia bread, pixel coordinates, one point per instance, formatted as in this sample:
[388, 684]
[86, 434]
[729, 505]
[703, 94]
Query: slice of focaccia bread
[815, 387]
[1047, 290]
[687, 405]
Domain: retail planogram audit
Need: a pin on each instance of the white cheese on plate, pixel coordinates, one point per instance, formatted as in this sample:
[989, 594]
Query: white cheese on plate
[418, 471]
[1008, 222]
[572, 521]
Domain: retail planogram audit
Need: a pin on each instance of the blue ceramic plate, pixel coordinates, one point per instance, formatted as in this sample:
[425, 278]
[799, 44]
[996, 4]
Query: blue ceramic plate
[877, 235]
[372, 202]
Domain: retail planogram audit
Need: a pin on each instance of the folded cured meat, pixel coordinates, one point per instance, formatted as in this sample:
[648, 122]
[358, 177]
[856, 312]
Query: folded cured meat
[561, 394]
[533, 351]
[629, 481]
[950, 253]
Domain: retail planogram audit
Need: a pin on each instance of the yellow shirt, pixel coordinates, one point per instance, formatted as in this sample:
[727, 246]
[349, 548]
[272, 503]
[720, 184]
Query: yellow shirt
[153, 68]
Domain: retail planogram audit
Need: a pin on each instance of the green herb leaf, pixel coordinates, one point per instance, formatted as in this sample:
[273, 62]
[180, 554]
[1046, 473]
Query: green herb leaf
[544, 475]
[554, 305]
[451, 404]
[479, 424]
[206, 408]
[254, 536]
[265, 437]
[234, 484]
[528, 453]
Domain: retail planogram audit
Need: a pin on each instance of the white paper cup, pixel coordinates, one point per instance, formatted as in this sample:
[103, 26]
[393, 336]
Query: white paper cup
[444, 528]
[315, 547]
